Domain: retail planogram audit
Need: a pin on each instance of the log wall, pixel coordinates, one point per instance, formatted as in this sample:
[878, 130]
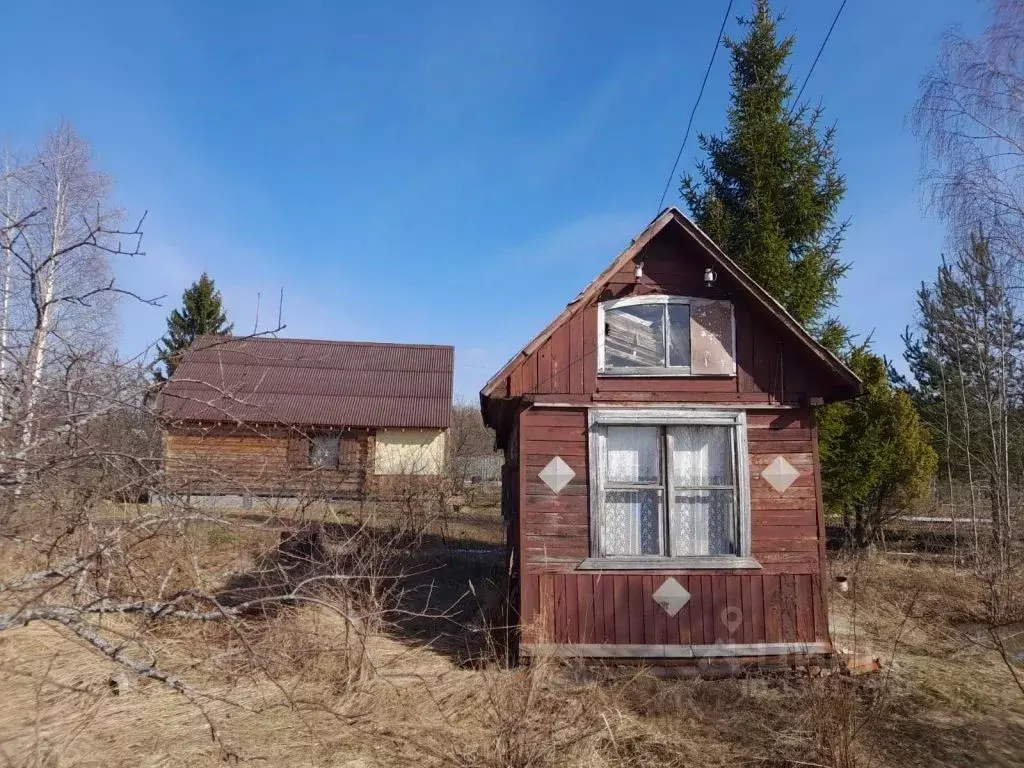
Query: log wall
[222, 460]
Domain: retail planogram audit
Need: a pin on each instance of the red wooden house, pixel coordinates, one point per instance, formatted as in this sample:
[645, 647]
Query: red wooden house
[661, 482]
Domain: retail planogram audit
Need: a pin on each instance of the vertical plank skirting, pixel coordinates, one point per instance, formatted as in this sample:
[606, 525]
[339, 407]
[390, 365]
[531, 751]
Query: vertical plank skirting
[608, 608]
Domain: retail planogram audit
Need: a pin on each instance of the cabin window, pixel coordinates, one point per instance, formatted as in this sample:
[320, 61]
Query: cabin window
[669, 487]
[325, 451]
[665, 336]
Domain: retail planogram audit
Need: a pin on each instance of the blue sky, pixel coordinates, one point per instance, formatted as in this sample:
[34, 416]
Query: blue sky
[449, 172]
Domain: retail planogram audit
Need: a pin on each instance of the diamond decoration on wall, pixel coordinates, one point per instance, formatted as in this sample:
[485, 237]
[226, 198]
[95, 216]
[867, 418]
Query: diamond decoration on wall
[557, 474]
[780, 474]
[671, 596]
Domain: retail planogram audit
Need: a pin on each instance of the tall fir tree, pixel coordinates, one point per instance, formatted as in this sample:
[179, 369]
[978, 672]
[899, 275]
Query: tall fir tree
[769, 188]
[201, 314]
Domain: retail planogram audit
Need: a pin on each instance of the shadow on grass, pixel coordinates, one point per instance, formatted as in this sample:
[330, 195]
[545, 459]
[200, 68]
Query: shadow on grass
[426, 589]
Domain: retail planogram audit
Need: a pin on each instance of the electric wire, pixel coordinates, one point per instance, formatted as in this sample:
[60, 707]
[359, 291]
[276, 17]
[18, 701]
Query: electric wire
[693, 112]
[817, 56]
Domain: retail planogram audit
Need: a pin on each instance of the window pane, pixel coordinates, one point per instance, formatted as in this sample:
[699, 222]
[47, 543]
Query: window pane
[678, 334]
[631, 522]
[324, 450]
[701, 455]
[634, 455]
[634, 337]
[712, 338]
[703, 523]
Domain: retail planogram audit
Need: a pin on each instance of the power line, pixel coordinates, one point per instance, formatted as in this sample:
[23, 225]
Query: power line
[817, 56]
[689, 124]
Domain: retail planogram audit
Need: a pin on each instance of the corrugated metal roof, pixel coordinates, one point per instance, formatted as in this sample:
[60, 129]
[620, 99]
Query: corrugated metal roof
[312, 383]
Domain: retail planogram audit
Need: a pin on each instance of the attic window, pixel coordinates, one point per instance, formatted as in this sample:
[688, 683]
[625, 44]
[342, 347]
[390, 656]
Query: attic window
[665, 336]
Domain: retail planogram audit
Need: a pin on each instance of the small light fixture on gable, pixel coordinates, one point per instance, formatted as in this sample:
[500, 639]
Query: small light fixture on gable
[709, 277]
[638, 269]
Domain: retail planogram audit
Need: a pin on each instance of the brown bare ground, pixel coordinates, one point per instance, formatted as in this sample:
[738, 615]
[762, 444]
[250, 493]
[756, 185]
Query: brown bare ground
[300, 688]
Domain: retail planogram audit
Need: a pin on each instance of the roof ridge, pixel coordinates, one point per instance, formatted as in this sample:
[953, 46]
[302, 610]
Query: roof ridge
[229, 339]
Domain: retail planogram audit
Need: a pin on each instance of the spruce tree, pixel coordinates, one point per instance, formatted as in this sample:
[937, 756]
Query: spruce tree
[201, 314]
[876, 457]
[769, 188]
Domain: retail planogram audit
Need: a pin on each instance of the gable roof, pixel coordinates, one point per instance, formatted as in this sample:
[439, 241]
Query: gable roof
[754, 292]
[301, 382]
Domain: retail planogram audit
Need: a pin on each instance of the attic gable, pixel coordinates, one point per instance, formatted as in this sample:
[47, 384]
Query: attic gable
[674, 253]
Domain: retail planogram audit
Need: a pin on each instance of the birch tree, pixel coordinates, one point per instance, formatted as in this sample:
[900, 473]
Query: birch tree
[970, 120]
[59, 299]
[967, 355]
[8, 221]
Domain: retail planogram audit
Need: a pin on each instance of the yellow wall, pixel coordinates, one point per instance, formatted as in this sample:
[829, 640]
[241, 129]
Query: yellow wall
[409, 452]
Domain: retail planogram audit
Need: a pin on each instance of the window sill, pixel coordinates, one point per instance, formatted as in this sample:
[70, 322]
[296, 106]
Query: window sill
[709, 562]
[660, 373]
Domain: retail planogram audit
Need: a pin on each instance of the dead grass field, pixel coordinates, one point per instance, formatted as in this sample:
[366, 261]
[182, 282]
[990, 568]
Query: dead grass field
[299, 687]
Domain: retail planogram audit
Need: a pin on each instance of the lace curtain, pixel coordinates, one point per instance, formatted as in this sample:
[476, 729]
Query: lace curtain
[702, 522]
[703, 518]
[632, 517]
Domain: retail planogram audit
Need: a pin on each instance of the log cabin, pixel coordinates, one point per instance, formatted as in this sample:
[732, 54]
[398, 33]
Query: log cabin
[661, 483]
[261, 416]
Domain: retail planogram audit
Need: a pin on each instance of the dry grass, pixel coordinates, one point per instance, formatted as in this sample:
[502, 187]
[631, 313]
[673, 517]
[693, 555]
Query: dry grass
[301, 687]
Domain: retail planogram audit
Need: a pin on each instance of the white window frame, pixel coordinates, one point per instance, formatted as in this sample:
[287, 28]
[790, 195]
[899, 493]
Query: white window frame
[667, 417]
[656, 299]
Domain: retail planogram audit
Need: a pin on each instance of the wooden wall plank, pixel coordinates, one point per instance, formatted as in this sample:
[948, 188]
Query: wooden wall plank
[590, 349]
[695, 610]
[597, 608]
[608, 599]
[548, 605]
[544, 379]
[804, 607]
[710, 619]
[649, 607]
[732, 616]
[747, 630]
[576, 354]
[788, 607]
[821, 631]
[572, 617]
[744, 350]
[621, 602]
[636, 608]
[561, 615]
[756, 609]
[773, 607]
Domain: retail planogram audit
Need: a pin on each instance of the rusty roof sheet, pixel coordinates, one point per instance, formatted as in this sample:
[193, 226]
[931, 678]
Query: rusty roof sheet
[311, 383]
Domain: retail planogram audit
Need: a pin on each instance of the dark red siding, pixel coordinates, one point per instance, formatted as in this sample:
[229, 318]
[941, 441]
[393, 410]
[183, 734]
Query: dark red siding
[555, 381]
[780, 602]
[769, 369]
